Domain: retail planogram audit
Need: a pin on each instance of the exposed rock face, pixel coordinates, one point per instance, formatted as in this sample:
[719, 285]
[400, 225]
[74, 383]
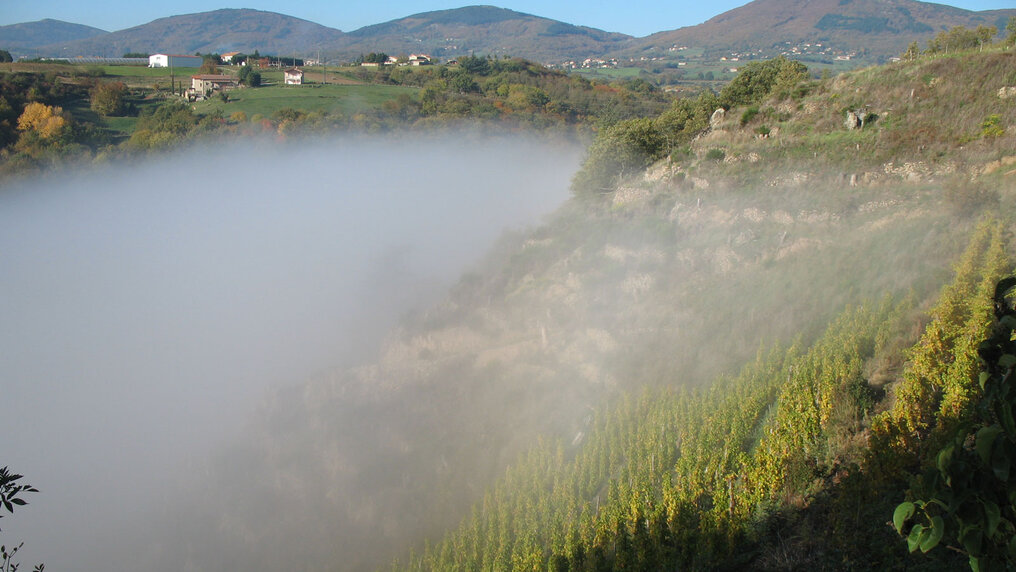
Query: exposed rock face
[854, 120]
[1007, 92]
[717, 117]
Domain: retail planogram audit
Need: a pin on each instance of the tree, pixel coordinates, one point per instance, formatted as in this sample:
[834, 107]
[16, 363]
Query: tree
[462, 82]
[618, 151]
[760, 79]
[1010, 27]
[210, 65]
[108, 98]
[44, 120]
[912, 52]
[376, 58]
[5, 56]
[961, 38]
[250, 76]
[474, 65]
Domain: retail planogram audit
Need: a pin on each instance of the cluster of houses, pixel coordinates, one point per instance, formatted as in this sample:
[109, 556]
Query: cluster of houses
[205, 84]
[414, 60]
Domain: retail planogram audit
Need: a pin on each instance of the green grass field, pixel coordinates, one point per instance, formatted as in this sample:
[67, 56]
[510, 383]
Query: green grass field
[608, 73]
[344, 99]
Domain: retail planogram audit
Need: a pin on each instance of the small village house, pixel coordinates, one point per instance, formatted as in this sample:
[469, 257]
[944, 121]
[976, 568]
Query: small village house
[227, 58]
[294, 76]
[175, 61]
[419, 60]
[203, 84]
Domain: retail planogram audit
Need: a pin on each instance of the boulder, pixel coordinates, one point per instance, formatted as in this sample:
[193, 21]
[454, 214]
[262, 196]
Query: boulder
[854, 120]
[717, 117]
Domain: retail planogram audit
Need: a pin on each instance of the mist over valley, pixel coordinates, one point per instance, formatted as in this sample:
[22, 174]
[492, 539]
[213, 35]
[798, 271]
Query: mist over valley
[489, 315]
[147, 308]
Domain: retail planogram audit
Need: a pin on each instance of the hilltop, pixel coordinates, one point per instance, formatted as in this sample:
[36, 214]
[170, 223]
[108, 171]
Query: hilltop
[26, 37]
[483, 30]
[218, 31]
[857, 32]
[872, 30]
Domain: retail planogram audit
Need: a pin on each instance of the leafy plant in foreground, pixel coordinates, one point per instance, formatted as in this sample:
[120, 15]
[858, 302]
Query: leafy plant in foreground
[9, 498]
[971, 498]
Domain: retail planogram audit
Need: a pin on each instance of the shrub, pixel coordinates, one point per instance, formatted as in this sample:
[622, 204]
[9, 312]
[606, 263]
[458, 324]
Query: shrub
[249, 76]
[716, 154]
[759, 80]
[992, 126]
[109, 98]
[619, 150]
[748, 115]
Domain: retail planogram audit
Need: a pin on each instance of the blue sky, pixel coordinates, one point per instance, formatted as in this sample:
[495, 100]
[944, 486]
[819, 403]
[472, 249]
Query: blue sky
[635, 17]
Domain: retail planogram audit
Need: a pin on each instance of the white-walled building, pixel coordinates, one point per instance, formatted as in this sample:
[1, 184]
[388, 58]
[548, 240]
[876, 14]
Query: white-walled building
[419, 60]
[207, 83]
[168, 60]
[294, 76]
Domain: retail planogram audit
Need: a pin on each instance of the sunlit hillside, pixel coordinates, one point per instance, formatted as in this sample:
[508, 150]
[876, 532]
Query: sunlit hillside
[737, 344]
[685, 367]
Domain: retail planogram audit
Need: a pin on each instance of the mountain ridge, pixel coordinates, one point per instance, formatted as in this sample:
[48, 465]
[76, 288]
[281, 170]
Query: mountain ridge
[873, 29]
[885, 27]
[29, 35]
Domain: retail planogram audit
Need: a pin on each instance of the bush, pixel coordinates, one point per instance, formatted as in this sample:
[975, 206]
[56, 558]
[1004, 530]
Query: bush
[249, 76]
[759, 80]
[109, 98]
[748, 115]
[992, 126]
[716, 155]
[620, 150]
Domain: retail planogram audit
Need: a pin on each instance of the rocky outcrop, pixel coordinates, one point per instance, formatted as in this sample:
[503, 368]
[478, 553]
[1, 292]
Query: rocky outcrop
[854, 120]
[717, 117]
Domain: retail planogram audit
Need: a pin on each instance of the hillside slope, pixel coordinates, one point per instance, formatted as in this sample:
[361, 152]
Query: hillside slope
[745, 238]
[482, 30]
[219, 31]
[871, 28]
[23, 39]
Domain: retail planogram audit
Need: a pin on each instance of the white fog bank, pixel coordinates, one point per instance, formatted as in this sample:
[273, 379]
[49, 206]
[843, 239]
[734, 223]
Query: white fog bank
[145, 308]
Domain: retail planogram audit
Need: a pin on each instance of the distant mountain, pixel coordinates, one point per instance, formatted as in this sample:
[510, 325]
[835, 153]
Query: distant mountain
[25, 37]
[444, 33]
[219, 31]
[873, 29]
[877, 28]
[483, 30]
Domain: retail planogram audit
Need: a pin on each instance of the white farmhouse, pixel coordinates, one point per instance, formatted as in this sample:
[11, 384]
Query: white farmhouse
[419, 60]
[168, 60]
[294, 76]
